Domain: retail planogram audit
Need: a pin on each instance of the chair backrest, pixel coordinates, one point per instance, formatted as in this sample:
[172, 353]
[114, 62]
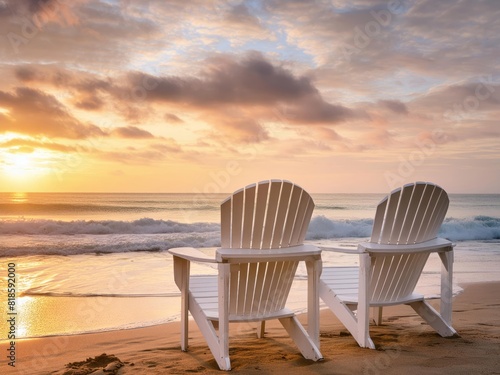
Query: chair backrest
[267, 215]
[409, 215]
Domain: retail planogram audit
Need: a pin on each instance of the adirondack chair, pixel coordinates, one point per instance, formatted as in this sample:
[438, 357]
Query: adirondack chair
[404, 234]
[262, 231]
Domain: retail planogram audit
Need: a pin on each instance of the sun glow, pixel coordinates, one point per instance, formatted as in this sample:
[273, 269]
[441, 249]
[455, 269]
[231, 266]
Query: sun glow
[18, 164]
[24, 165]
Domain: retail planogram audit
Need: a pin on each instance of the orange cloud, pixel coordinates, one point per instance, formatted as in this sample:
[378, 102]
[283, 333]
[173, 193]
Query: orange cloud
[131, 132]
[33, 112]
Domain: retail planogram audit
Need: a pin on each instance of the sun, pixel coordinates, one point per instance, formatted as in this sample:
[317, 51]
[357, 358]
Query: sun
[22, 164]
[17, 164]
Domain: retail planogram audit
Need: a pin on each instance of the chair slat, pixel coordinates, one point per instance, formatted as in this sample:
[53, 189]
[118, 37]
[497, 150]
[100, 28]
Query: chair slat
[259, 284]
[225, 226]
[260, 214]
[289, 269]
[270, 220]
[300, 219]
[379, 221]
[267, 292]
[440, 215]
[237, 305]
[419, 216]
[399, 279]
[402, 213]
[411, 212]
[438, 205]
[390, 213]
[250, 291]
[275, 286]
[248, 219]
[281, 215]
[306, 220]
[237, 219]
[292, 215]
[392, 277]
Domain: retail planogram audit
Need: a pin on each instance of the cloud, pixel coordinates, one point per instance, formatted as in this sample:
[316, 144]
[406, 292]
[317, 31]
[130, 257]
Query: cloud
[455, 102]
[242, 130]
[33, 112]
[89, 32]
[131, 132]
[173, 119]
[252, 81]
[234, 95]
[240, 15]
[41, 12]
[144, 154]
[314, 110]
[22, 143]
[168, 146]
[238, 95]
[395, 106]
[243, 23]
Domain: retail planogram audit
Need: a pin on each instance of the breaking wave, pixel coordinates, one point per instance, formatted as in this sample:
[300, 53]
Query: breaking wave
[475, 229]
[97, 227]
[36, 236]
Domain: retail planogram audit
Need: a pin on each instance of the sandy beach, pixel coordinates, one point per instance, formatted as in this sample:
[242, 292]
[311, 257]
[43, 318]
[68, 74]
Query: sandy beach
[404, 345]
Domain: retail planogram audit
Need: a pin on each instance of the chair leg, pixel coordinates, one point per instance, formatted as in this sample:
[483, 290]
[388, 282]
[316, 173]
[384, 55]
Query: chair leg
[363, 311]
[261, 329]
[181, 274]
[301, 338]
[346, 315]
[432, 317]
[377, 315]
[218, 346]
[445, 307]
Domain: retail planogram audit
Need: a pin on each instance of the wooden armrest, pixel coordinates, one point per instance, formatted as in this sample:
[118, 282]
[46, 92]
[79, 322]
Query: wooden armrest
[434, 245]
[301, 252]
[191, 254]
[346, 249]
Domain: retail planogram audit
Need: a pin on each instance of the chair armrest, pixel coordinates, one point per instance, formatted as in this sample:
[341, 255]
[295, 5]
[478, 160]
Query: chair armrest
[435, 245]
[191, 254]
[345, 249]
[301, 252]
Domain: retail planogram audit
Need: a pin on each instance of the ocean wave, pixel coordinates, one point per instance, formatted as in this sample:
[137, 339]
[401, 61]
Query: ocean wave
[474, 229]
[479, 228]
[26, 237]
[321, 227]
[97, 227]
[20, 245]
[330, 207]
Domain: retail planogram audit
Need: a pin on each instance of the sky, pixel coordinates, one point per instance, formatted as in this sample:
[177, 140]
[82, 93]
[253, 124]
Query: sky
[207, 96]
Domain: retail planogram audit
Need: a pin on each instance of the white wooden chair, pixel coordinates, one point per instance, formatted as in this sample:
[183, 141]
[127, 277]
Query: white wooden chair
[262, 230]
[403, 235]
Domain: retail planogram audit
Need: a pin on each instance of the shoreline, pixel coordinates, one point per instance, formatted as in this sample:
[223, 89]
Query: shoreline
[403, 341]
[53, 286]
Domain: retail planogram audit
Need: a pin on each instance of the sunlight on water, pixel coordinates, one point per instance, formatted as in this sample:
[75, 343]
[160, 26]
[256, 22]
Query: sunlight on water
[89, 293]
[19, 197]
[91, 262]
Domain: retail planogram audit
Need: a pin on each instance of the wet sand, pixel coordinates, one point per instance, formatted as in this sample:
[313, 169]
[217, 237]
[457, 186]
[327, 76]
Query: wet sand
[404, 345]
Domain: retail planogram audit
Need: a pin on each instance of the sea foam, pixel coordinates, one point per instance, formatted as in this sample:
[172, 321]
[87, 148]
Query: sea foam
[37, 236]
[321, 227]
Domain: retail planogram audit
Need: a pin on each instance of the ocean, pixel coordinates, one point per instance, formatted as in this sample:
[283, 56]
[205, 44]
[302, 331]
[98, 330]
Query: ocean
[89, 262]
